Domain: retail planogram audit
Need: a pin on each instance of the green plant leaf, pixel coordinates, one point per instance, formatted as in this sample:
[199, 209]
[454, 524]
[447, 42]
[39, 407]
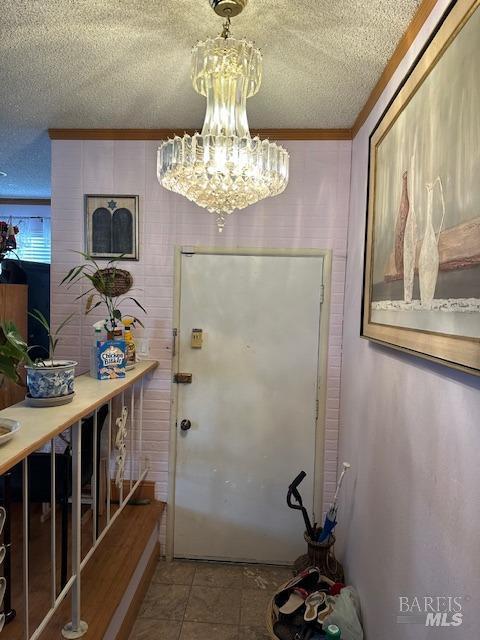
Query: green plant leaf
[13, 350]
[137, 320]
[136, 302]
[64, 323]
[8, 368]
[39, 317]
[97, 304]
[71, 277]
[82, 295]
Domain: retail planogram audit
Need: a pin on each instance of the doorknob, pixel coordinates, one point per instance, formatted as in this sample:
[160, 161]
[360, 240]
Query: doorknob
[185, 425]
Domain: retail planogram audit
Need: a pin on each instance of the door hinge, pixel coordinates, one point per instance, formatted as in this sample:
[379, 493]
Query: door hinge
[174, 342]
[316, 409]
[322, 293]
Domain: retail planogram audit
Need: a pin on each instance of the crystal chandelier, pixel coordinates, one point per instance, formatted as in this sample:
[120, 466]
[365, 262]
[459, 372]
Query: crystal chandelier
[223, 168]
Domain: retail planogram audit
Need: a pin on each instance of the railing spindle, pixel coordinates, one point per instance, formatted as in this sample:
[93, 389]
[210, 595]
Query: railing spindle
[132, 426]
[77, 627]
[95, 477]
[26, 609]
[140, 426]
[53, 531]
[109, 459]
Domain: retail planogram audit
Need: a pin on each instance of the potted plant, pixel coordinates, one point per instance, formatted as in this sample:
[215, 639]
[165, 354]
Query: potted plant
[109, 287]
[50, 381]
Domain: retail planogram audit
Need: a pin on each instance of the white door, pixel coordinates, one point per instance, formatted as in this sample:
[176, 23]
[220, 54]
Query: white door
[251, 403]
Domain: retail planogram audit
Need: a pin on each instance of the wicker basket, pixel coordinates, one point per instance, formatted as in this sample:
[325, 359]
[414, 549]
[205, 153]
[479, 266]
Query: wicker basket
[271, 614]
[322, 556]
[113, 282]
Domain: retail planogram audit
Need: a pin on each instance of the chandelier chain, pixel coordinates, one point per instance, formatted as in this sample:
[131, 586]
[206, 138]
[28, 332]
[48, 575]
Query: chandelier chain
[226, 28]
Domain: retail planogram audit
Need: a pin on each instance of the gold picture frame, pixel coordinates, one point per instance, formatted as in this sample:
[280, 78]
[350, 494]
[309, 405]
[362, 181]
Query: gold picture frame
[422, 258]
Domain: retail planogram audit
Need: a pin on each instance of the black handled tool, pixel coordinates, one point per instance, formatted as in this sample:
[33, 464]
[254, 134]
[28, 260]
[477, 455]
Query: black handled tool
[293, 492]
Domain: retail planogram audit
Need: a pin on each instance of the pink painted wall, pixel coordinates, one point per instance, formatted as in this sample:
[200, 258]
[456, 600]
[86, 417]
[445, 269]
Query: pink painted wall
[311, 213]
[411, 514]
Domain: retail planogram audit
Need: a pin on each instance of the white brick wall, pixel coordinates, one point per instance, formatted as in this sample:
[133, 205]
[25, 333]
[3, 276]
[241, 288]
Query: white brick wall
[311, 213]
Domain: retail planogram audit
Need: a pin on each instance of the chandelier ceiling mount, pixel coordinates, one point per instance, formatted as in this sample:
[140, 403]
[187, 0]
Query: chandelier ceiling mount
[228, 8]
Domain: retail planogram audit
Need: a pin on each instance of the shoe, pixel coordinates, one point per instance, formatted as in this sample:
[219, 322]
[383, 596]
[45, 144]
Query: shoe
[295, 600]
[306, 580]
[323, 612]
[312, 604]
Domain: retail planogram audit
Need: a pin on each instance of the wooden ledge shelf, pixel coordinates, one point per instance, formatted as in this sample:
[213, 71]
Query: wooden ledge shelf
[39, 425]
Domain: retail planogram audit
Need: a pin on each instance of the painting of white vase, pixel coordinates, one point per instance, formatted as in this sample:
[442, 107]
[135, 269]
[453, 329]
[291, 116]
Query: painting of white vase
[428, 261]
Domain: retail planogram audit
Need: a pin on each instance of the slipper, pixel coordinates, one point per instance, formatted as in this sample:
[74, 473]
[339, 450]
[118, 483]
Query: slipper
[324, 612]
[312, 603]
[307, 579]
[295, 600]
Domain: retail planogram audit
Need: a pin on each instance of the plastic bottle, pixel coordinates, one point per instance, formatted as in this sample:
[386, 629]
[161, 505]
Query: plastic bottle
[97, 338]
[333, 632]
[131, 354]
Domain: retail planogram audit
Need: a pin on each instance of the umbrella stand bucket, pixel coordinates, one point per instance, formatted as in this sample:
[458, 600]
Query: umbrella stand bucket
[322, 555]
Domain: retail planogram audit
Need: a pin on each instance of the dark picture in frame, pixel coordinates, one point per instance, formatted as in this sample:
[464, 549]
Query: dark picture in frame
[111, 226]
[422, 260]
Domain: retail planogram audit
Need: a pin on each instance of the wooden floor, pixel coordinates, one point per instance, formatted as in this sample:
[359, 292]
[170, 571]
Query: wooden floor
[104, 579]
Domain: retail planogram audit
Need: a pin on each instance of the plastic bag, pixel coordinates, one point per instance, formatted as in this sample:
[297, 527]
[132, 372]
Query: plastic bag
[346, 614]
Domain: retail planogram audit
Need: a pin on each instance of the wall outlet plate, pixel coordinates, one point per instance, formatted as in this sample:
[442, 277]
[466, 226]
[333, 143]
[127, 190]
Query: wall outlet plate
[142, 348]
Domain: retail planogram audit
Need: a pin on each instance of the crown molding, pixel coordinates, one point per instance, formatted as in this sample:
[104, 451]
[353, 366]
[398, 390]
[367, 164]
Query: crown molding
[418, 20]
[162, 134]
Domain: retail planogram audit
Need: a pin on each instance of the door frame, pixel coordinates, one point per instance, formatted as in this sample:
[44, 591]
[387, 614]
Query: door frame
[318, 483]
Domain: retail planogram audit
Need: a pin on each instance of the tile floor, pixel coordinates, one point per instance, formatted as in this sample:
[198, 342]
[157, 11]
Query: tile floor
[208, 601]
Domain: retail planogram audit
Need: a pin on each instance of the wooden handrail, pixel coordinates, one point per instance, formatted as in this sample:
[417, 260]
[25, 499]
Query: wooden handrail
[40, 425]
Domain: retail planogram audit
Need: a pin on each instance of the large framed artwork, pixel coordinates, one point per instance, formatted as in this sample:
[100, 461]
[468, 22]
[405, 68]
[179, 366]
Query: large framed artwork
[422, 258]
[111, 226]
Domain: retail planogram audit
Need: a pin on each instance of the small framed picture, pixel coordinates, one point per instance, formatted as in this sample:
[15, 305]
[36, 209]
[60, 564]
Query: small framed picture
[111, 226]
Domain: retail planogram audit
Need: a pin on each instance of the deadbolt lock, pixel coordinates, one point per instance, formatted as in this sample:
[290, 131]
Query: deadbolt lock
[183, 378]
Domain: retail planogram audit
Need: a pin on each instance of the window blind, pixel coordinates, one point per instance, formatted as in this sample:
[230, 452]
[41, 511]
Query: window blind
[34, 242]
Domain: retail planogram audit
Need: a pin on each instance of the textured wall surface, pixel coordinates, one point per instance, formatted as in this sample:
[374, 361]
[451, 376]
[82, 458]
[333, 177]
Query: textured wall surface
[410, 519]
[311, 213]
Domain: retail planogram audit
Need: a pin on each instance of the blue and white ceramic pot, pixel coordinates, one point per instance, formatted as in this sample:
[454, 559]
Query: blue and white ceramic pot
[51, 379]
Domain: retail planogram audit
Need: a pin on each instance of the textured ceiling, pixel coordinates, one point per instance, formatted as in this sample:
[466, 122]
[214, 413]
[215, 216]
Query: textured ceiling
[126, 64]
